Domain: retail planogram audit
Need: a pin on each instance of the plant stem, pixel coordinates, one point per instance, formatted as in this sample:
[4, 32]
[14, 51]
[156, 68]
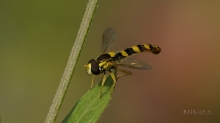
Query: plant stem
[70, 67]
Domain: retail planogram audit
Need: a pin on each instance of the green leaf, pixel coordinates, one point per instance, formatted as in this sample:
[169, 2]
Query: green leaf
[89, 108]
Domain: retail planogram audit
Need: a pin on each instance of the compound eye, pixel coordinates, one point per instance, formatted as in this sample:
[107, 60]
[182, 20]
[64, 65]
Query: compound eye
[94, 67]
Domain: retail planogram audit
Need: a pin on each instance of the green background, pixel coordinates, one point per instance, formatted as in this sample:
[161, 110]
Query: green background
[36, 38]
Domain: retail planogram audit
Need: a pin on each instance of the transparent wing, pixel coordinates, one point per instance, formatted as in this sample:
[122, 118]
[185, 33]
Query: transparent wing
[108, 39]
[134, 63]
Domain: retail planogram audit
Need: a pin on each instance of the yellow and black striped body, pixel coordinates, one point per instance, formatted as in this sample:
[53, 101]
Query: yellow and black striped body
[136, 49]
[107, 61]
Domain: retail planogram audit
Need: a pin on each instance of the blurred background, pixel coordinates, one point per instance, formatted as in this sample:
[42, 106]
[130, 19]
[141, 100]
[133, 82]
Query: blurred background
[36, 38]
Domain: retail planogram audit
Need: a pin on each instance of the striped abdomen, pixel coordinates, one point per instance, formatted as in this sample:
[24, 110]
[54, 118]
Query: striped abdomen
[137, 49]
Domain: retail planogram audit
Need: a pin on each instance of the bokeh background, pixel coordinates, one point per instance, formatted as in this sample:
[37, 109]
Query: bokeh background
[36, 38]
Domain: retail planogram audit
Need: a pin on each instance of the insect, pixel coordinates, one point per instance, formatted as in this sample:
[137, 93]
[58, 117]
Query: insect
[110, 60]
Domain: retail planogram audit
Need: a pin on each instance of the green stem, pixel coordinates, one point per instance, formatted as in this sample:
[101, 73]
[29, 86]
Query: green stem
[70, 67]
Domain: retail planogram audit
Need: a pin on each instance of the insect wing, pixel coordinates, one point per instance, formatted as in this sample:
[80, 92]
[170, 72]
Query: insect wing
[108, 39]
[134, 63]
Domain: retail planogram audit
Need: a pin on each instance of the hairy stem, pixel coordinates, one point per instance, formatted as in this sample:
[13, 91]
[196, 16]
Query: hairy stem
[70, 67]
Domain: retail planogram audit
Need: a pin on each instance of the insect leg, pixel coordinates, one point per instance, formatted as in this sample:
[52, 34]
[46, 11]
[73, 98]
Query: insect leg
[124, 71]
[114, 79]
[92, 82]
[103, 82]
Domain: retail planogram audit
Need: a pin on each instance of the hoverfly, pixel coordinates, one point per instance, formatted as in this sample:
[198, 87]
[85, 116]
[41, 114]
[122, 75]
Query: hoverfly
[109, 61]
